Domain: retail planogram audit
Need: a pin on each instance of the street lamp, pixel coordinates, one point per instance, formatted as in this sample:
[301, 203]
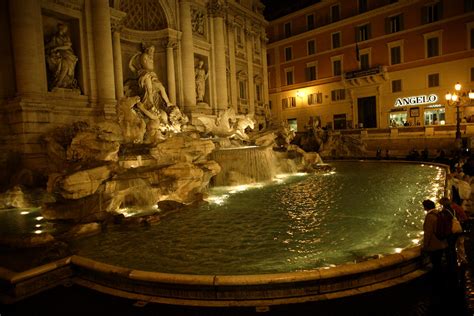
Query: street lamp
[455, 99]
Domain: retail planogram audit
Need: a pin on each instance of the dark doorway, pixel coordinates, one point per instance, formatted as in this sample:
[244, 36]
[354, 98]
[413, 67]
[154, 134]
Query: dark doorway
[339, 121]
[367, 113]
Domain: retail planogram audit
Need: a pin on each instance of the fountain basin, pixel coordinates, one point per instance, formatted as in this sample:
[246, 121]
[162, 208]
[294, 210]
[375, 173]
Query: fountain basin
[258, 288]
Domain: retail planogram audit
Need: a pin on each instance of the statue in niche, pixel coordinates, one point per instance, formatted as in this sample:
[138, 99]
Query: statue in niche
[155, 105]
[200, 76]
[61, 60]
[154, 92]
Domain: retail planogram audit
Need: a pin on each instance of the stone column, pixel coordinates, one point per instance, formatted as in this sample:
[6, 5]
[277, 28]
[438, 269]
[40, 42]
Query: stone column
[251, 81]
[187, 56]
[265, 68]
[170, 69]
[104, 60]
[216, 12]
[28, 47]
[232, 66]
[117, 48]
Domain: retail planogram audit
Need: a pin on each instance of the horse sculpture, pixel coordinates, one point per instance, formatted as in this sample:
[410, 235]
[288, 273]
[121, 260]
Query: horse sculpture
[225, 124]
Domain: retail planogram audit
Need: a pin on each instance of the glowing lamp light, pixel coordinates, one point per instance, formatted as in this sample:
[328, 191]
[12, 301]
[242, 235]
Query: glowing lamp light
[24, 213]
[457, 86]
[299, 94]
[38, 232]
[398, 250]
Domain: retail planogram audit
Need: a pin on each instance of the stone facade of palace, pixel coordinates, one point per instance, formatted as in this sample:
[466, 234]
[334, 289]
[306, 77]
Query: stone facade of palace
[65, 61]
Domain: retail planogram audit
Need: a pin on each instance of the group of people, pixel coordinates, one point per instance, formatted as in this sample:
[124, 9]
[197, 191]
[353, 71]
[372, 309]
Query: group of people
[456, 207]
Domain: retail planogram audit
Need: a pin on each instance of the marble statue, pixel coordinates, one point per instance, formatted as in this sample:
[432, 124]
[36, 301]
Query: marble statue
[225, 124]
[154, 93]
[244, 122]
[61, 60]
[200, 76]
[161, 116]
[130, 120]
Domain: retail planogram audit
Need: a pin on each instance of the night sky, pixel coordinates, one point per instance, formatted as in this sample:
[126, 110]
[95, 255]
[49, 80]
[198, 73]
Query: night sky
[275, 9]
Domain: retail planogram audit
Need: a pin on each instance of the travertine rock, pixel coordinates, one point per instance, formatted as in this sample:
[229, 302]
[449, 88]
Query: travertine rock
[182, 148]
[83, 183]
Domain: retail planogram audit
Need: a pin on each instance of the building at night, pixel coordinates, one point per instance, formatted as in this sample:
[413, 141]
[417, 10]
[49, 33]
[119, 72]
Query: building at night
[372, 64]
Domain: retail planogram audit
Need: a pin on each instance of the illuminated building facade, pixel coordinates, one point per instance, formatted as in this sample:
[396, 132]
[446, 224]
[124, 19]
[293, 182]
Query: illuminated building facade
[371, 63]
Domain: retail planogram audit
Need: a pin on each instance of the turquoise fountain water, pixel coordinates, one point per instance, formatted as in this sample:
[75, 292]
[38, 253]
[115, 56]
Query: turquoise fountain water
[296, 223]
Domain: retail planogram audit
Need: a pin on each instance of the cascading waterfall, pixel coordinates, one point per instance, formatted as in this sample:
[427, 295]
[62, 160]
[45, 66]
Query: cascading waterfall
[244, 165]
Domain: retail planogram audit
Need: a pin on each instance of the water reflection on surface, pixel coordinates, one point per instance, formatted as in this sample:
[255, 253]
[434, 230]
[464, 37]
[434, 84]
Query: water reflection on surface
[304, 222]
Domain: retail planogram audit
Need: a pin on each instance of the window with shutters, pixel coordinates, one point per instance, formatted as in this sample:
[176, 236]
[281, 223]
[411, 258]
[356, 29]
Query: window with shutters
[288, 53]
[395, 55]
[310, 72]
[335, 13]
[433, 80]
[289, 76]
[315, 98]
[468, 5]
[287, 29]
[310, 22]
[394, 24]
[311, 45]
[287, 103]
[363, 32]
[362, 6]
[471, 36]
[432, 12]
[364, 61]
[432, 47]
[336, 40]
[336, 67]
[338, 95]
[397, 85]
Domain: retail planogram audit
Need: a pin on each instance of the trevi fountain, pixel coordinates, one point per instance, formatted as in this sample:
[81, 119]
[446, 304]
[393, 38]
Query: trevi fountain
[148, 165]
